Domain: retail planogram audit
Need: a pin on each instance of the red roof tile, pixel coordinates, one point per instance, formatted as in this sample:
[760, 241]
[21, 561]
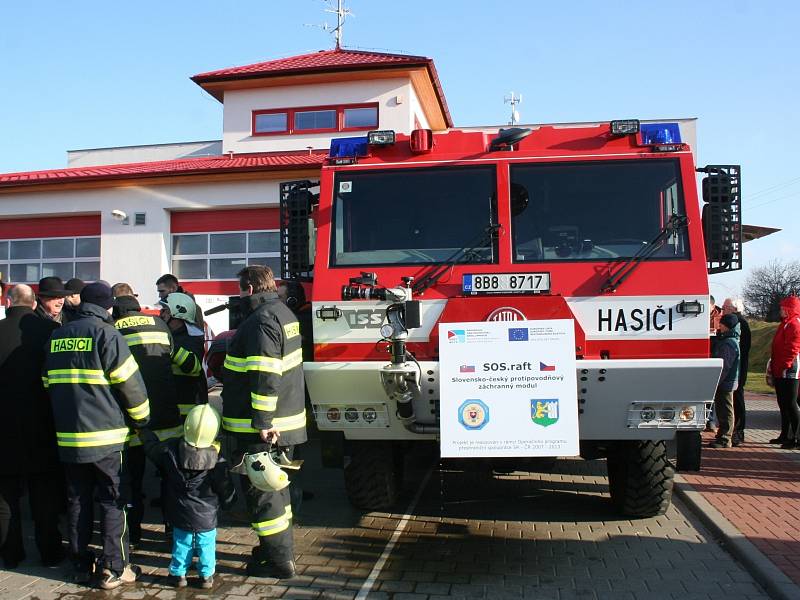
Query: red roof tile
[324, 60]
[188, 166]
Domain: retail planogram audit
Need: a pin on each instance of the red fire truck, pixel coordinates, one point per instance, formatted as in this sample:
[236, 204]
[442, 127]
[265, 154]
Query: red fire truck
[598, 223]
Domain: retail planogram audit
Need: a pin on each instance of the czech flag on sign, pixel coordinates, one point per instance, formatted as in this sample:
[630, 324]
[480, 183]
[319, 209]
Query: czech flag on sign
[544, 367]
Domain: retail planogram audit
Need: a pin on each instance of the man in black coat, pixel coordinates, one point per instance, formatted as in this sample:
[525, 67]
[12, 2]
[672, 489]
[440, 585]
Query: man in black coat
[734, 306]
[50, 299]
[27, 433]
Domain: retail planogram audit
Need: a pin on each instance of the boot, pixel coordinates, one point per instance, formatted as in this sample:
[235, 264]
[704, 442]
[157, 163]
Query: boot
[260, 565]
[111, 579]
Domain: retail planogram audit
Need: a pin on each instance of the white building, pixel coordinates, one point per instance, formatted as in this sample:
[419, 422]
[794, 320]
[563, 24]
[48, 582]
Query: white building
[203, 210]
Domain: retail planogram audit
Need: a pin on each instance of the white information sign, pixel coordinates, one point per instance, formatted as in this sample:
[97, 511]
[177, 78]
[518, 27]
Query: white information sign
[508, 388]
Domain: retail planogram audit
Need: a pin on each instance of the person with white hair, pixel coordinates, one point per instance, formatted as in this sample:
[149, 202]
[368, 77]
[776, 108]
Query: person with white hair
[735, 306]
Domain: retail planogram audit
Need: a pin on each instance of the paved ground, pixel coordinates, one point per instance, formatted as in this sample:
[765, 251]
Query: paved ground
[469, 535]
[756, 487]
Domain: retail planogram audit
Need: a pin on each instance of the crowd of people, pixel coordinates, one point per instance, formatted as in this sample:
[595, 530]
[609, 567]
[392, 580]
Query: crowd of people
[94, 386]
[731, 342]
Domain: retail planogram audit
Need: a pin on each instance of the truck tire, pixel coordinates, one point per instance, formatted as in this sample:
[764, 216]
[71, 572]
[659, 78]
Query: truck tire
[640, 478]
[372, 476]
[688, 450]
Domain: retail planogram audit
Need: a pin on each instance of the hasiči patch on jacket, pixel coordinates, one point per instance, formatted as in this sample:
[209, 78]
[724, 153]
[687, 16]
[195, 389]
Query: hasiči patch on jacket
[71, 345]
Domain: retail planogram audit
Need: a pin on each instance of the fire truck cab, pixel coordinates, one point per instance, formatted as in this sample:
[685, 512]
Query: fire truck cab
[598, 223]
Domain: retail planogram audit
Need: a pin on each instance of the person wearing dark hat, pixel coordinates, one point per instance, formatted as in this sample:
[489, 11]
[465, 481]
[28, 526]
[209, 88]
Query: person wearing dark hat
[726, 348]
[50, 299]
[73, 301]
[150, 341]
[27, 434]
[97, 394]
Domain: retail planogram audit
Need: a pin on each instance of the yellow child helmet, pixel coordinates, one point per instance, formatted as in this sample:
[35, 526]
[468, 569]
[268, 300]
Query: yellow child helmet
[201, 426]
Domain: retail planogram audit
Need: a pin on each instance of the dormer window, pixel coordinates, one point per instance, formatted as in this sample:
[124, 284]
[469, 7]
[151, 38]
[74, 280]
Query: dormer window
[315, 119]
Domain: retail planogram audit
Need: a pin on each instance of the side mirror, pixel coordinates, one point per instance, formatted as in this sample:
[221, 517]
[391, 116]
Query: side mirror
[722, 218]
[298, 232]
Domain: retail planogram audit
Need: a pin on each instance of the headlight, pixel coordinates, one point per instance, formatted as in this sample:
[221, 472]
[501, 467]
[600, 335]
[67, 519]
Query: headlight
[667, 413]
[648, 413]
[687, 413]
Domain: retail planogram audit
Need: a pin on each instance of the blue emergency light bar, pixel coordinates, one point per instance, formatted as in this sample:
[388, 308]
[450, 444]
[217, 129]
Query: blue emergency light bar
[349, 147]
[660, 133]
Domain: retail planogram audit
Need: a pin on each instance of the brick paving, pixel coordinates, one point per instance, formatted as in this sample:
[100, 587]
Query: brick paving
[472, 535]
[756, 487]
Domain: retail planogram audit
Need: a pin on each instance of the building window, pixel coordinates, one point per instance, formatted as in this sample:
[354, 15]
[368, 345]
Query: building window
[316, 119]
[29, 260]
[277, 122]
[219, 256]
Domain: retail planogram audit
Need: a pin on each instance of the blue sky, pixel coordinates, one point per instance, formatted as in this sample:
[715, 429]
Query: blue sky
[93, 74]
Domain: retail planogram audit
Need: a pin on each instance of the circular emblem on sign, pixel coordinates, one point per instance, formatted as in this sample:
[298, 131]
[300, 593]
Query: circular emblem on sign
[473, 414]
[351, 415]
[506, 313]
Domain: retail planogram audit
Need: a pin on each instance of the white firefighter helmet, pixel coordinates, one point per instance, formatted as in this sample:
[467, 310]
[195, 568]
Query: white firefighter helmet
[264, 472]
[201, 426]
[181, 306]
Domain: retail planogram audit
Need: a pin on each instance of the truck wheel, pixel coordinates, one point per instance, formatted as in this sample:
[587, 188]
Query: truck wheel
[688, 448]
[640, 478]
[371, 478]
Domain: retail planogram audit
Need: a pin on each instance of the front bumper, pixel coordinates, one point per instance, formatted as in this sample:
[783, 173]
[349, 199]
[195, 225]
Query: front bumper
[616, 398]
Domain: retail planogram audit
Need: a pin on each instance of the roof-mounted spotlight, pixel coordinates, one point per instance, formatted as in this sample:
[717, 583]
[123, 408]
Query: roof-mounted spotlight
[624, 127]
[508, 137]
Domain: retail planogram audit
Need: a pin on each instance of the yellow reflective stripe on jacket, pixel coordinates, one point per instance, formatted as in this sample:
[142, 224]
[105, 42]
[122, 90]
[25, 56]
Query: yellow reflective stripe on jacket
[266, 364]
[234, 363]
[185, 408]
[260, 402]
[137, 413]
[292, 360]
[290, 423]
[176, 370]
[291, 330]
[273, 526]
[90, 439]
[45, 382]
[181, 356]
[90, 376]
[147, 337]
[179, 359]
[162, 434]
[123, 372]
[237, 425]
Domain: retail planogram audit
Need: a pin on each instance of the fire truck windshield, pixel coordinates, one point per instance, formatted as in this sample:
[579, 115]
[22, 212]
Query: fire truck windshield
[412, 216]
[594, 210]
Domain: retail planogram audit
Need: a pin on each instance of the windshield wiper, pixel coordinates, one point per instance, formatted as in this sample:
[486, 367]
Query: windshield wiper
[436, 271]
[675, 224]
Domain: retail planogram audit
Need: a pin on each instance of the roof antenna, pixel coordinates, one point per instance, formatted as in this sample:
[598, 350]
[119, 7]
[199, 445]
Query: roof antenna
[341, 12]
[513, 101]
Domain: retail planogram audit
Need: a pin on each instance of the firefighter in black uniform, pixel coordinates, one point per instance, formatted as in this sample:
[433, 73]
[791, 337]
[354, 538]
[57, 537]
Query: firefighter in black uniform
[178, 310]
[150, 341]
[96, 391]
[263, 403]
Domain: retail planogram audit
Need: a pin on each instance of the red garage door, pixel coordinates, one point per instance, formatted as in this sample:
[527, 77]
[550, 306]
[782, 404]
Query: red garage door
[210, 247]
[63, 246]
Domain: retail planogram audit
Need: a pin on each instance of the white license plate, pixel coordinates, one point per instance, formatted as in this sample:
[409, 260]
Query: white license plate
[506, 283]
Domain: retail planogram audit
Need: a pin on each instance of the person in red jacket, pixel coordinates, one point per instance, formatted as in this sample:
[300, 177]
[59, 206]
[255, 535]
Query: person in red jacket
[783, 370]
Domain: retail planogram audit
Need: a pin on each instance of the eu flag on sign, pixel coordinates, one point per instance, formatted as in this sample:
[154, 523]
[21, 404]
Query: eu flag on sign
[518, 334]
